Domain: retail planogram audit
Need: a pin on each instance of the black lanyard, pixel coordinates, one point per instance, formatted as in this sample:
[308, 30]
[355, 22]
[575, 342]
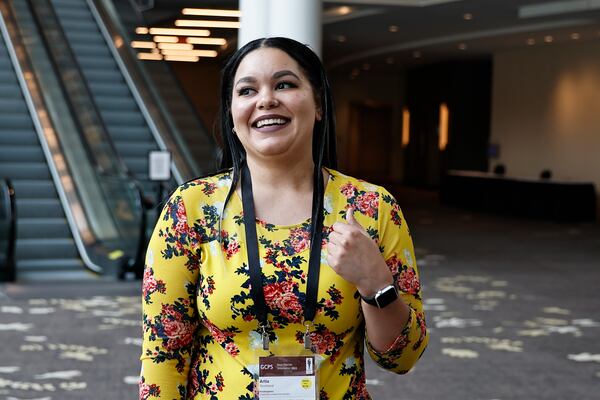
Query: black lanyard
[314, 261]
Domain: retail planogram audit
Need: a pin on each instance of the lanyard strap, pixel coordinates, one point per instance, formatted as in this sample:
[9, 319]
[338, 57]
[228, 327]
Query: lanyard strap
[314, 262]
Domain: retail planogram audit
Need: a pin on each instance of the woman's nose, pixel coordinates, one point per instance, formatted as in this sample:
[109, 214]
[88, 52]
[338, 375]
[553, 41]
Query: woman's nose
[267, 101]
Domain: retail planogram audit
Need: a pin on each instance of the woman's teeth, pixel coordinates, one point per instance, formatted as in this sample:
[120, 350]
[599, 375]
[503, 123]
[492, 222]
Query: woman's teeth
[270, 121]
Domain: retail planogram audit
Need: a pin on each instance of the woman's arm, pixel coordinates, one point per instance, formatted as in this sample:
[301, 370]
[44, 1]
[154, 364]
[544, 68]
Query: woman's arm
[170, 319]
[396, 334]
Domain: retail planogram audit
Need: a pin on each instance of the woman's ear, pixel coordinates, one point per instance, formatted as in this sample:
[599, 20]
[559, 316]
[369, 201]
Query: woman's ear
[319, 114]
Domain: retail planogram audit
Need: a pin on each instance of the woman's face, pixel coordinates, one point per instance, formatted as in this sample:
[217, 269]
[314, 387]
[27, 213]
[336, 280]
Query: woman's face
[273, 106]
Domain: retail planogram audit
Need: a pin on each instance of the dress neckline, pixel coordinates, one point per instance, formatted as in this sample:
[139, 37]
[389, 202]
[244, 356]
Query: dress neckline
[267, 225]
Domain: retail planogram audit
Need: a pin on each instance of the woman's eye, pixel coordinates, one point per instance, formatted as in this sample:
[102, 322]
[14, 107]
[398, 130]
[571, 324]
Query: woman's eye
[244, 91]
[285, 85]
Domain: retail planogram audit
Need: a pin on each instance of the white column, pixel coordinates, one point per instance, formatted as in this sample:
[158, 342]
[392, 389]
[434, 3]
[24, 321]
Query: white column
[254, 22]
[296, 19]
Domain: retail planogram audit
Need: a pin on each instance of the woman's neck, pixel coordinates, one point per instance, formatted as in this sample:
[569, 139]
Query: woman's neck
[296, 176]
[282, 193]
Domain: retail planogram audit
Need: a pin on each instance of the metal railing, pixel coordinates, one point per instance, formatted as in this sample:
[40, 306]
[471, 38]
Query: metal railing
[8, 231]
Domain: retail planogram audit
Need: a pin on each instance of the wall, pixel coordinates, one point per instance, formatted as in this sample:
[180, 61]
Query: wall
[371, 89]
[546, 111]
[464, 86]
[201, 81]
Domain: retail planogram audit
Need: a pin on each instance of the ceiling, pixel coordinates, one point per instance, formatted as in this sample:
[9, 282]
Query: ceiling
[387, 35]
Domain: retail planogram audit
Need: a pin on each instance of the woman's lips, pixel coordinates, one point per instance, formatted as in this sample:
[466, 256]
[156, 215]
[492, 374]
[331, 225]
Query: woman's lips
[271, 128]
[270, 123]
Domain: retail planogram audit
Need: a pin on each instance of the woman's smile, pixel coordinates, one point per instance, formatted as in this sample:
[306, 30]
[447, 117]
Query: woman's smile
[270, 123]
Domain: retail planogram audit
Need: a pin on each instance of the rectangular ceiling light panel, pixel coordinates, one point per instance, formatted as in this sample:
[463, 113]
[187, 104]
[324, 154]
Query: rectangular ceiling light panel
[557, 8]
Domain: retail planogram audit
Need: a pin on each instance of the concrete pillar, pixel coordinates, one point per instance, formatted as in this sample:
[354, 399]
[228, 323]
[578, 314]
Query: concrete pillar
[296, 19]
[254, 20]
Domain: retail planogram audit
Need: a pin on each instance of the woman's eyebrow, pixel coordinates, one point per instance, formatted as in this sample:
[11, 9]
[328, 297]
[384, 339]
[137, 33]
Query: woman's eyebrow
[285, 72]
[245, 79]
[276, 75]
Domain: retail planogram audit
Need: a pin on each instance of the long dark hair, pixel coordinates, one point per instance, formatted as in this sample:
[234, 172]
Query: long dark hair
[324, 146]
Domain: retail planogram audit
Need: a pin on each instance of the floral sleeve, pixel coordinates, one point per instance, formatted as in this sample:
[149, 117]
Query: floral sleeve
[396, 246]
[169, 311]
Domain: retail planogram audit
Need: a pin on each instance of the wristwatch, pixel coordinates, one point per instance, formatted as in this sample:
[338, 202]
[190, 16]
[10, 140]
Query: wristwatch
[382, 297]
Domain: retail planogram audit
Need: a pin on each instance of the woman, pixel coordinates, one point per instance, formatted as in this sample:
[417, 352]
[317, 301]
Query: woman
[280, 255]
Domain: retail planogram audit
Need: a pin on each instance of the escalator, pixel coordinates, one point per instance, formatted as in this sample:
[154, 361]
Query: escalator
[44, 239]
[121, 18]
[75, 132]
[125, 117]
[78, 209]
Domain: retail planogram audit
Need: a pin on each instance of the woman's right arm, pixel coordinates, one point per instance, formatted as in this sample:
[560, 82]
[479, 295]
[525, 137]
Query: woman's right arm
[170, 318]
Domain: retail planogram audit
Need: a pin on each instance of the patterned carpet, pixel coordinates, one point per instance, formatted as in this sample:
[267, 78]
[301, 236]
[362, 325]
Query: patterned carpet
[512, 307]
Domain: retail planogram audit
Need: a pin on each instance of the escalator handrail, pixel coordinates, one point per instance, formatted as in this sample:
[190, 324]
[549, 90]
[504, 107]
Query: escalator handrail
[121, 168]
[7, 191]
[39, 129]
[176, 168]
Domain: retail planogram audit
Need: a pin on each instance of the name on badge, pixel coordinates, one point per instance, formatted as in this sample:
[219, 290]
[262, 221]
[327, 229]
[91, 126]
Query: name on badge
[289, 378]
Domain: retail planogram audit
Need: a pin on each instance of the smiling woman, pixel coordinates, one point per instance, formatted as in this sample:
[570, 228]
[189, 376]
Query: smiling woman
[279, 259]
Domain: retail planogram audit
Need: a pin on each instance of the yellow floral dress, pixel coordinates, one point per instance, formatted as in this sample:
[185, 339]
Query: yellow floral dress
[201, 337]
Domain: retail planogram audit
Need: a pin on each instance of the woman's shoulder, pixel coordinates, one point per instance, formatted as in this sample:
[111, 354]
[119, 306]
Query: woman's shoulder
[367, 198]
[346, 184]
[214, 186]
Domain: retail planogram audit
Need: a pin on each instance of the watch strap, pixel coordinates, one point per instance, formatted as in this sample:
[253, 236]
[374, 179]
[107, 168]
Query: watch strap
[382, 297]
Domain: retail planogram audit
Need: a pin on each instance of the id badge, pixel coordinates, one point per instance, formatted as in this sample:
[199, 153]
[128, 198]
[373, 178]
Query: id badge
[289, 378]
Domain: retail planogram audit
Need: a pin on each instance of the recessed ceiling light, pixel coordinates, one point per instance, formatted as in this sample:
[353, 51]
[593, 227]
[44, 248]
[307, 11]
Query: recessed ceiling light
[389, 60]
[468, 16]
[575, 36]
[199, 23]
[393, 28]
[344, 10]
[462, 46]
[548, 39]
[341, 39]
[211, 12]
[416, 54]
[531, 41]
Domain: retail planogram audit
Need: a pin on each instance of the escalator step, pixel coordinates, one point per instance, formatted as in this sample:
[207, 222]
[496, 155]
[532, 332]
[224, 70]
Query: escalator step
[22, 154]
[30, 228]
[46, 248]
[34, 189]
[39, 208]
[15, 170]
[17, 137]
[52, 265]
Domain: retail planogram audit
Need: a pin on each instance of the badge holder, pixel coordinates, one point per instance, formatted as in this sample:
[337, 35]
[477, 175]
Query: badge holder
[290, 378]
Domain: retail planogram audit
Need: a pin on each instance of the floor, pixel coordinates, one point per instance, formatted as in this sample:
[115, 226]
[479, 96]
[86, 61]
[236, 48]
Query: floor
[513, 309]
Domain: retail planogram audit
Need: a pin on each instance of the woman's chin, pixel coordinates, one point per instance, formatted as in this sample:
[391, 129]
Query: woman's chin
[276, 147]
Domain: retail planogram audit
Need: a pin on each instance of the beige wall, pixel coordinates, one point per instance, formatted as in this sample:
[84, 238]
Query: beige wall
[546, 111]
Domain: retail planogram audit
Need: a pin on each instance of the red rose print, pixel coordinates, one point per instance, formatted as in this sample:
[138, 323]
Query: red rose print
[394, 264]
[409, 282]
[367, 203]
[232, 349]
[300, 239]
[348, 190]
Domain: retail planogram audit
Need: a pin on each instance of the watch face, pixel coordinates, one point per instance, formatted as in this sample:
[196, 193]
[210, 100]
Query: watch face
[386, 297]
